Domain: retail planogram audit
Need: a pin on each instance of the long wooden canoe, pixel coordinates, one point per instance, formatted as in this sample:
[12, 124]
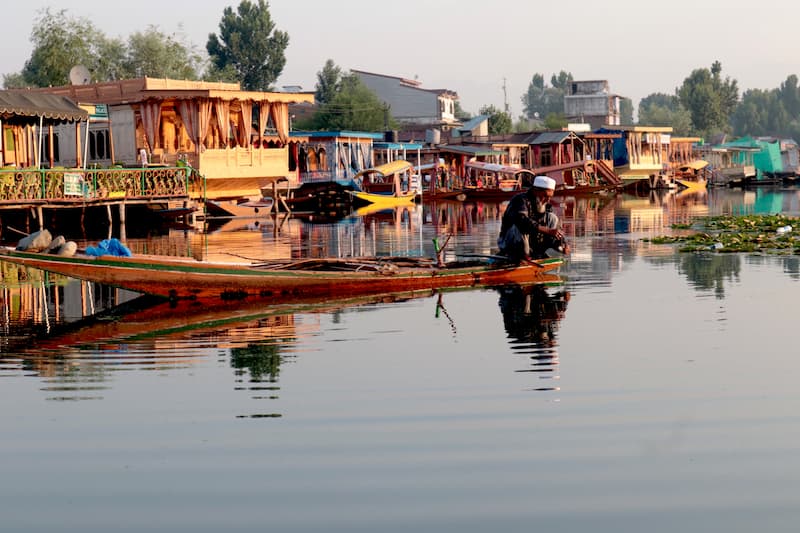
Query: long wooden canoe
[179, 278]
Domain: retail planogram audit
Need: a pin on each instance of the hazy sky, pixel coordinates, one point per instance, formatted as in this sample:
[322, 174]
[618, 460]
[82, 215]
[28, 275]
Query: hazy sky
[475, 47]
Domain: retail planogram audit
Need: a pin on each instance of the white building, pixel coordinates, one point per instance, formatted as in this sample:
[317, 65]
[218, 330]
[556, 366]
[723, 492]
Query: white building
[409, 103]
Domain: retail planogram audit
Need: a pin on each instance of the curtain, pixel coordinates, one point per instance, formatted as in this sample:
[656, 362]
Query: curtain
[151, 120]
[246, 123]
[263, 118]
[280, 116]
[223, 120]
[196, 117]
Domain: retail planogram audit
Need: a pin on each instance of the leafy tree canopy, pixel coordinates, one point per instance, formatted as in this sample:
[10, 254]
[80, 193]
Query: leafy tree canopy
[353, 107]
[249, 43]
[660, 109]
[154, 53]
[499, 121]
[540, 100]
[329, 82]
[60, 42]
[709, 99]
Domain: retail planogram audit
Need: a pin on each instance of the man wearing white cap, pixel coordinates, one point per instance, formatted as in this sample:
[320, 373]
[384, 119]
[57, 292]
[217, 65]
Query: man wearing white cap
[529, 227]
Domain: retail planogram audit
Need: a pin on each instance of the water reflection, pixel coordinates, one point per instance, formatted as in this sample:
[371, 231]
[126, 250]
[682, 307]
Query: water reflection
[531, 317]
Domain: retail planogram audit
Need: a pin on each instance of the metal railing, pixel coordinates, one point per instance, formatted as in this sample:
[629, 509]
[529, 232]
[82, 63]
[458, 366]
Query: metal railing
[80, 185]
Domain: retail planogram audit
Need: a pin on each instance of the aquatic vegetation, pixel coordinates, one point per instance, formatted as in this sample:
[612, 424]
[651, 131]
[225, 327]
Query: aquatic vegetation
[774, 234]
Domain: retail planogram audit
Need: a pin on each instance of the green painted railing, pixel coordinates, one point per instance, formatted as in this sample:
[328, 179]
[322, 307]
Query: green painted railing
[95, 184]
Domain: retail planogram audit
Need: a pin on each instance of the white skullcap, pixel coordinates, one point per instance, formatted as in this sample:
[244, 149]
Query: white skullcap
[543, 182]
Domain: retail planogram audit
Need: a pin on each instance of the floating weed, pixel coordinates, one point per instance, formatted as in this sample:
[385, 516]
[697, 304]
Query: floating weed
[746, 233]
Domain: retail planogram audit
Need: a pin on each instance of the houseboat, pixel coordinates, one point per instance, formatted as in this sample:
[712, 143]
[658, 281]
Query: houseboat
[237, 141]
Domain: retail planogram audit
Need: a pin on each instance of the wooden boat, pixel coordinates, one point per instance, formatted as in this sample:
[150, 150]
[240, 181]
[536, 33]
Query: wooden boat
[178, 278]
[387, 185]
[384, 200]
[492, 181]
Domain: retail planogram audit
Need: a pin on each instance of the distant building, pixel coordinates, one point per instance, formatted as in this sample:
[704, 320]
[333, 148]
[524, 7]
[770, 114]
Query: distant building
[592, 102]
[409, 103]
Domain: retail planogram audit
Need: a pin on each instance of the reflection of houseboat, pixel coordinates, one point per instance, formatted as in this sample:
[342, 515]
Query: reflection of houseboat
[237, 140]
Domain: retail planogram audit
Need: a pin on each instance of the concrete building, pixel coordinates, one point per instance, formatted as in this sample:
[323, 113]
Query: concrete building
[409, 103]
[593, 103]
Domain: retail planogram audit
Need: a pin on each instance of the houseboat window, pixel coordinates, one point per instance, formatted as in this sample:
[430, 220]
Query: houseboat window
[546, 158]
[99, 146]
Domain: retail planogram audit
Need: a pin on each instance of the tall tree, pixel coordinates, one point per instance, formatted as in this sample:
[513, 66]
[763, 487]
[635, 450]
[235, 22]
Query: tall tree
[626, 111]
[59, 43]
[709, 99]
[539, 100]
[249, 43]
[460, 113]
[790, 95]
[499, 121]
[660, 109]
[154, 53]
[329, 82]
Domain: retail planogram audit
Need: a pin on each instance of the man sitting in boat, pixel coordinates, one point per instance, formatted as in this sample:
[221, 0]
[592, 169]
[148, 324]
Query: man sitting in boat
[529, 227]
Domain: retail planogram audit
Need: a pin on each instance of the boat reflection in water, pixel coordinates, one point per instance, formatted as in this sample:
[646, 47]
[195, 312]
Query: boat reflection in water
[531, 316]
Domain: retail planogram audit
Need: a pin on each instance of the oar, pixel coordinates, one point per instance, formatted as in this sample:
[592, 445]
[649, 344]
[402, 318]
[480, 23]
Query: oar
[498, 257]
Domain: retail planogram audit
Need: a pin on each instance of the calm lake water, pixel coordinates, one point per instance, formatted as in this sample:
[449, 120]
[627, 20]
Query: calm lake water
[650, 391]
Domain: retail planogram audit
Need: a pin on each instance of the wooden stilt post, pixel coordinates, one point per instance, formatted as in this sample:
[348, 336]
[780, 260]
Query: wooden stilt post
[110, 220]
[123, 233]
[40, 216]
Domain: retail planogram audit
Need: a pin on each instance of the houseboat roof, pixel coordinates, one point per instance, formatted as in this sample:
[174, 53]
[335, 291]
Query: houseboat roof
[639, 129]
[383, 145]
[141, 89]
[470, 150]
[549, 137]
[15, 104]
[336, 134]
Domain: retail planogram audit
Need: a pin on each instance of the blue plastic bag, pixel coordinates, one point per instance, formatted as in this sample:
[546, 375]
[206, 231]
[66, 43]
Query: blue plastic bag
[109, 247]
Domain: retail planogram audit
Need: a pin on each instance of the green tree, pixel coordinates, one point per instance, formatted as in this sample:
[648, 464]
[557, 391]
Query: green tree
[540, 100]
[154, 53]
[329, 82]
[709, 99]
[660, 109]
[555, 121]
[561, 81]
[14, 80]
[499, 121]
[626, 111]
[353, 107]
[790, 95]
[249, 42]
[460, 114]
[59, 43]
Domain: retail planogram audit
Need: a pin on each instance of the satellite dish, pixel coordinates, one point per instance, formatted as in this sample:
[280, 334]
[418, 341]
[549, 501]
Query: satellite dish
[79, 75]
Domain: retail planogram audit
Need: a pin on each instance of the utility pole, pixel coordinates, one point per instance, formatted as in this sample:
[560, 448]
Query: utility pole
[505, 98]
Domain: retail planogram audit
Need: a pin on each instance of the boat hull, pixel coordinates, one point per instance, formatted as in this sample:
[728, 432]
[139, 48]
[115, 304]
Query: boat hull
[180, 278]
[384, 200]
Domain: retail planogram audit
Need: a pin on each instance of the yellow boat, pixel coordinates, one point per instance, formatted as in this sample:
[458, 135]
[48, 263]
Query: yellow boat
[690, 175]
[386, 185]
